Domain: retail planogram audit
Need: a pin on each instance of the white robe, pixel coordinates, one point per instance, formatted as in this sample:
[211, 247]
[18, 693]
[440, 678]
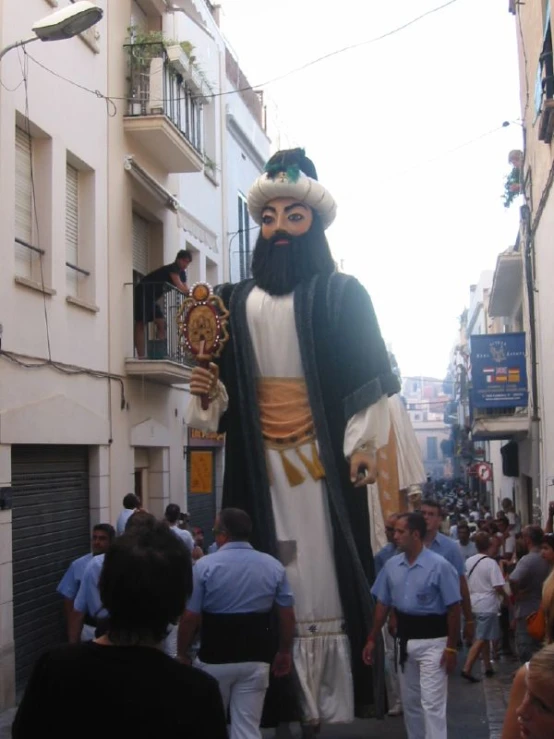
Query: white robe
[321, 649]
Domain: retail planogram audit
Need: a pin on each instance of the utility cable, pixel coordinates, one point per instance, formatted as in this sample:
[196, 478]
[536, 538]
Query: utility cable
[112, 110]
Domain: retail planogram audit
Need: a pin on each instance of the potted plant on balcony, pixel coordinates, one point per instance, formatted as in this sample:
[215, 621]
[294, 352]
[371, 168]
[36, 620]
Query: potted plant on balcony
[512, 182]
[143, 48]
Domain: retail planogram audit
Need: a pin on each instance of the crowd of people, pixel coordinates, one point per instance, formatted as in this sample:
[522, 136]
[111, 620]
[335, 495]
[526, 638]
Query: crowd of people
[434, 589]
[497, 598]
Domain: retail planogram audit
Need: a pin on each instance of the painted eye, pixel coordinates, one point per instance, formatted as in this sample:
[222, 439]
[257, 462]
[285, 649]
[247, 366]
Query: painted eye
[266, 220]
[296, 217]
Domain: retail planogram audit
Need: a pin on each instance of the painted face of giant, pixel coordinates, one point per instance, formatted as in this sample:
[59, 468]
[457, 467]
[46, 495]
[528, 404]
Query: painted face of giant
[283, 218]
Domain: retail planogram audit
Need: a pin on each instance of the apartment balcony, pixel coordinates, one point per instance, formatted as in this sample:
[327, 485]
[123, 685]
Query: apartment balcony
[507, 286]
[158, 355]
[164, 115]
[499, 424]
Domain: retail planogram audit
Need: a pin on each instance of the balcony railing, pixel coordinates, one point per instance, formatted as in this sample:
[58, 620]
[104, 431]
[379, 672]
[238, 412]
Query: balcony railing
[157, 88]
[155, 310]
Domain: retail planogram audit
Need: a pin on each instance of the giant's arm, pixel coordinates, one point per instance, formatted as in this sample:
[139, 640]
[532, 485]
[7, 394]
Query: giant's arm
[368, 429]
[368, 380]
[207, 420]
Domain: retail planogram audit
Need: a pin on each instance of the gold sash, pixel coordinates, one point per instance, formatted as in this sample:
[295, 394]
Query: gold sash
[287, 424]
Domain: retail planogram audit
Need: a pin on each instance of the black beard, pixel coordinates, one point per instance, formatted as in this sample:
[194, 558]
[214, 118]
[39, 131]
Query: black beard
[279, 269]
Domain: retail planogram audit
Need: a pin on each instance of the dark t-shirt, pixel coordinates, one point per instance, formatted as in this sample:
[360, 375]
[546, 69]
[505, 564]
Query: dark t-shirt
[159, 280]
[91, 691]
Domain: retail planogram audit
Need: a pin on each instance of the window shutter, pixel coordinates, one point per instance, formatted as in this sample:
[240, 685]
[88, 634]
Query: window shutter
[72, 225]
[23, 201]
[141, 238]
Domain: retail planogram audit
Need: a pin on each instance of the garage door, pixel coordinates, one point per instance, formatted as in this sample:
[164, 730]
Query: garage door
[51, 527]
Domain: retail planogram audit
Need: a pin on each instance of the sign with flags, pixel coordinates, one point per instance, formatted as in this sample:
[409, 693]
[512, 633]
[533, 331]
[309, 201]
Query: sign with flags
[498, 371]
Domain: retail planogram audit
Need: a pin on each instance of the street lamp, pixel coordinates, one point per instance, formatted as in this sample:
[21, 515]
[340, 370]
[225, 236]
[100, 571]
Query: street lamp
[62, 24]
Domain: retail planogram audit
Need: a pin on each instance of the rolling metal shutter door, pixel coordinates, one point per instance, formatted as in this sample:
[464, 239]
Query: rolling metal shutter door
[51, 528]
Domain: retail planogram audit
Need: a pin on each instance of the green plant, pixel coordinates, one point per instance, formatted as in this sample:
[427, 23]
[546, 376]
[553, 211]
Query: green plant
[512, 186]
[145, 45]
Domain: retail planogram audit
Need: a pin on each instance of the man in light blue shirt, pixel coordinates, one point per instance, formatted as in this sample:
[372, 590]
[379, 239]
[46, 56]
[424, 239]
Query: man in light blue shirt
[450, 550]
[102, 536]
[88, 607]
[424, 590]
[235, 592]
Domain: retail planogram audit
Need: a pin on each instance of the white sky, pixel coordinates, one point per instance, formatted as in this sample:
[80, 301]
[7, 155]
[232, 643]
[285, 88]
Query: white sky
[415, 233]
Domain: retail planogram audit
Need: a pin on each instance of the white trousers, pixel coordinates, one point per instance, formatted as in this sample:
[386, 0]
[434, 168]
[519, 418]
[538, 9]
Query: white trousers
[424, 689]
[243, 686]
[391, 677]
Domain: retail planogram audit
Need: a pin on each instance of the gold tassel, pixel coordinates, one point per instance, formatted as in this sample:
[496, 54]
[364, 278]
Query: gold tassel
[294, 476]
[314, 467]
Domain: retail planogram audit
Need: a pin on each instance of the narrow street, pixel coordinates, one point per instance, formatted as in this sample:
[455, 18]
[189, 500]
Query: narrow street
[475, 711]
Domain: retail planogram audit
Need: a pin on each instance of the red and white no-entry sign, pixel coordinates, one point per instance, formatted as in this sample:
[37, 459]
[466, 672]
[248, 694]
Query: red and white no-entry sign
[484, 472]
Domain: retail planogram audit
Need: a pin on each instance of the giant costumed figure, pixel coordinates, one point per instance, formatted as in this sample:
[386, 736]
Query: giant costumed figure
[301, 391]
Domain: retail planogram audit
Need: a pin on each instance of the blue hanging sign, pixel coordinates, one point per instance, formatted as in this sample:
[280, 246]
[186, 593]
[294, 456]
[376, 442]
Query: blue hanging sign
[498, 371]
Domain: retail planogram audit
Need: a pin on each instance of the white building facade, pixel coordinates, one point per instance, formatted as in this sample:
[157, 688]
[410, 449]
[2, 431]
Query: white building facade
[96, 194]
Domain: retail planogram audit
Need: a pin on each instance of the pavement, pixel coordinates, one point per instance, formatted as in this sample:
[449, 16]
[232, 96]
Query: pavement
[475, 711]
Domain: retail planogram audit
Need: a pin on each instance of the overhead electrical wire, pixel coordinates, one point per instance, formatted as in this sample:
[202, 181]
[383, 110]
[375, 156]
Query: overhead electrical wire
[112, 110]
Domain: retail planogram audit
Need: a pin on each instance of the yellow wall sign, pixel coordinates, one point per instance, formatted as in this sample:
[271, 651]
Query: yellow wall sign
[201, 472]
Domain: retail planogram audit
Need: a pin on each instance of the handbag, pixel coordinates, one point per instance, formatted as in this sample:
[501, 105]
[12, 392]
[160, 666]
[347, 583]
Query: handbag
[536, 625]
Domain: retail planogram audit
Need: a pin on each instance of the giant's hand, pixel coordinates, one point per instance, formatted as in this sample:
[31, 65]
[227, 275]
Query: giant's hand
[204, 381]
[363, 468]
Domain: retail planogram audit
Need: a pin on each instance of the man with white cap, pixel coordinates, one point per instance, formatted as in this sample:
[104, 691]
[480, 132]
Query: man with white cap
[302, 396]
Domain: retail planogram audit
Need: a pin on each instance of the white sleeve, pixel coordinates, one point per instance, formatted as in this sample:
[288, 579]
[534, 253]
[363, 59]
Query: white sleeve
[208, 420]
[369, 427]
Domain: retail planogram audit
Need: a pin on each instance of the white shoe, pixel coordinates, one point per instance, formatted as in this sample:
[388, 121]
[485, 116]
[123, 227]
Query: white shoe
[396, 710]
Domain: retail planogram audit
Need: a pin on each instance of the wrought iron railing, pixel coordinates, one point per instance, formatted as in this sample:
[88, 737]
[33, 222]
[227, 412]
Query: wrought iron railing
[157, 88]
[155, 309]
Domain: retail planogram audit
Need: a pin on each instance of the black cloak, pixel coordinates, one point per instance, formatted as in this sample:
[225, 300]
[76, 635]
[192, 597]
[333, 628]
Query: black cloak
[346, 369]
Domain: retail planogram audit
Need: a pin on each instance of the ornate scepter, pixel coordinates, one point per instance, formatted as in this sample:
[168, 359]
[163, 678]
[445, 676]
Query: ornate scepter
[202, 324]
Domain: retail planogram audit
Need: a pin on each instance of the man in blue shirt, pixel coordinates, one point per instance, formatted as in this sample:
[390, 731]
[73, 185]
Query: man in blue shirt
[235, 592]
[102, 536]
[450, 550]
[424, 590]
[88, 608]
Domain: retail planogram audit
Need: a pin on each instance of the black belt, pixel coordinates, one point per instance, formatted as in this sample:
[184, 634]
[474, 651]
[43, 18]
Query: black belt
[431, 626]
[228, 638]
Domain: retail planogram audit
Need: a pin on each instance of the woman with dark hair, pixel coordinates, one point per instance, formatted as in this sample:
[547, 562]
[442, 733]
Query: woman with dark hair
[122, 684]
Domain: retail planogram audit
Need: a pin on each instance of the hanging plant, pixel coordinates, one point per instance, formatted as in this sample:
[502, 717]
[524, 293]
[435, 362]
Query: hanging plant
[512, 186]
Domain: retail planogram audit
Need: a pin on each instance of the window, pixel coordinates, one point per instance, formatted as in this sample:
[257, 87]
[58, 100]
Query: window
[244, 237]
[141, 244]
[24, 254]
[544, 84]
[72, 229]
[432, 448]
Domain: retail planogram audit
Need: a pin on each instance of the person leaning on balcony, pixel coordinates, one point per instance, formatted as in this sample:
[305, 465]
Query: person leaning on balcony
[150, 289]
